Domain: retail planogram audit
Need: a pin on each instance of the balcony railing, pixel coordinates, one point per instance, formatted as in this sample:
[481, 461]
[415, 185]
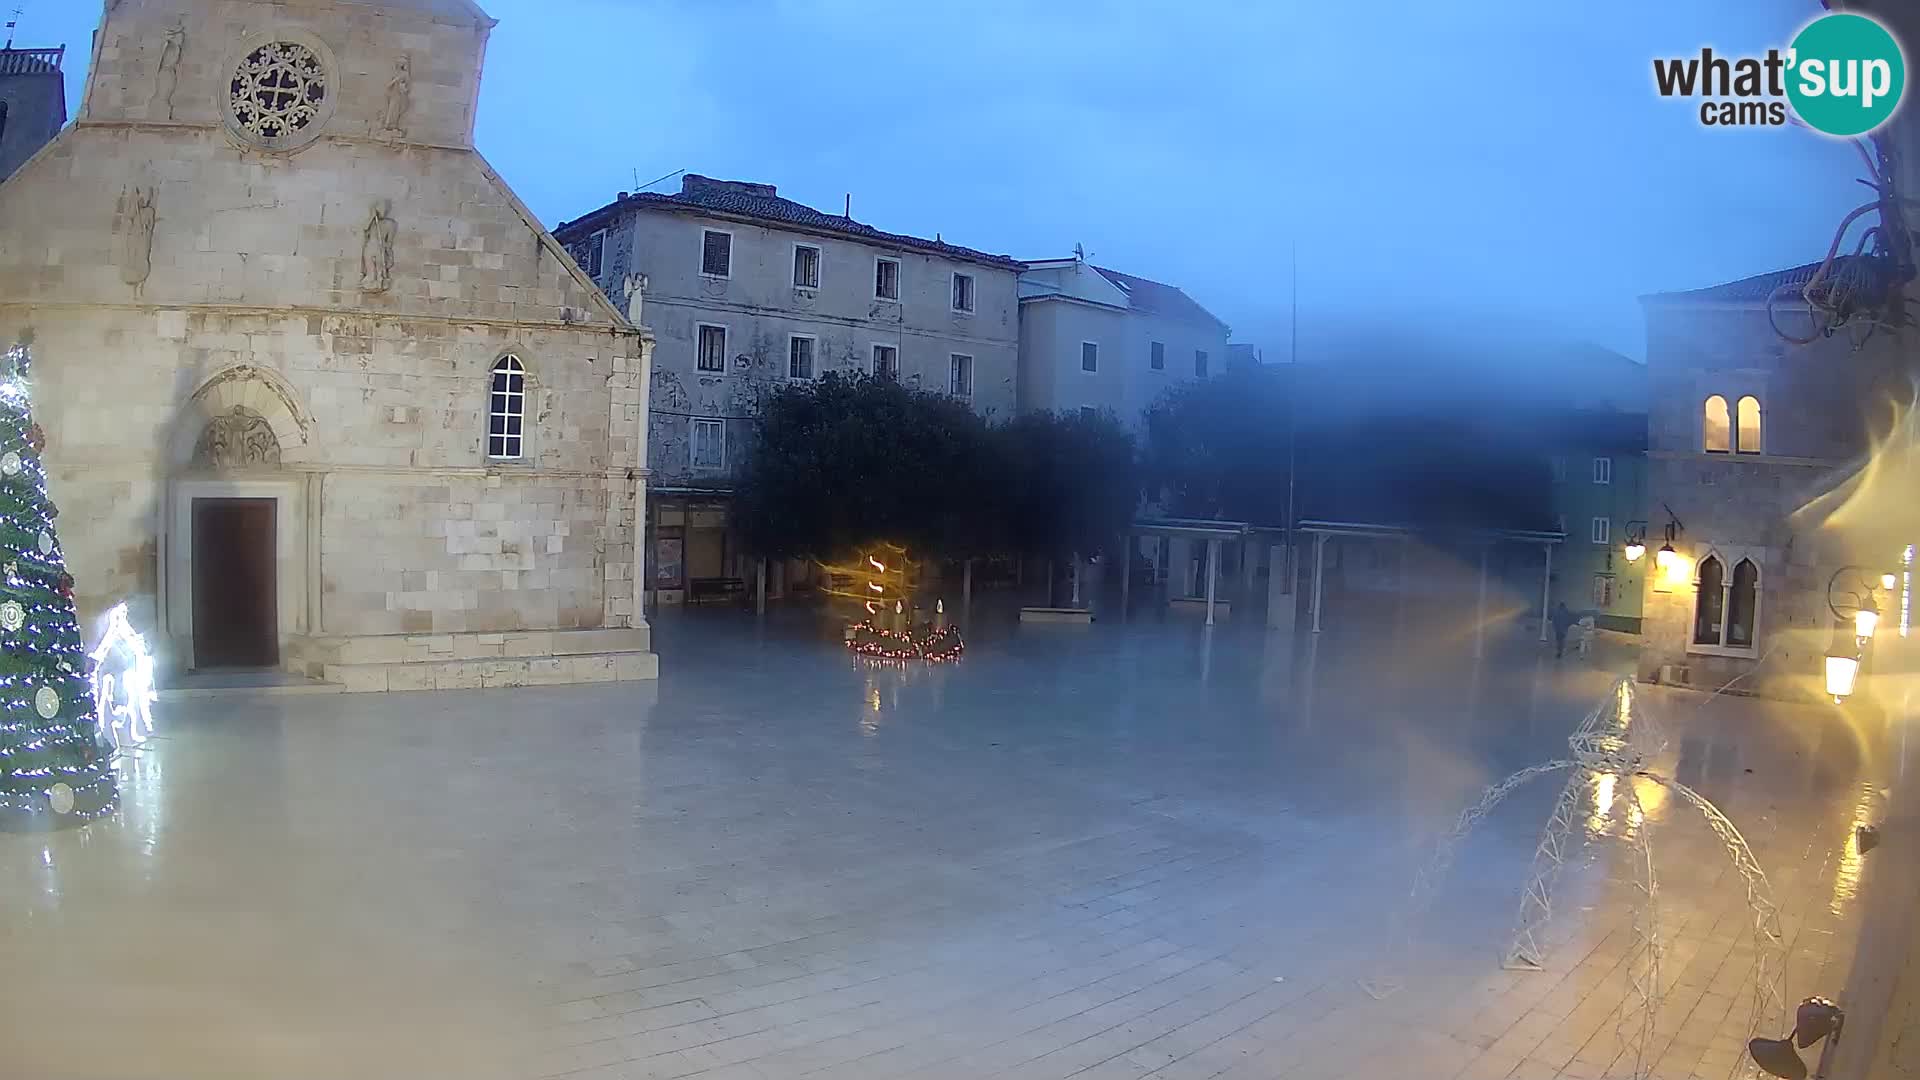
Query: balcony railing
[31, 61]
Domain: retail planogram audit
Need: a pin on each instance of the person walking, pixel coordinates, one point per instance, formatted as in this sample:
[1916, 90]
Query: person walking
[1563, 619]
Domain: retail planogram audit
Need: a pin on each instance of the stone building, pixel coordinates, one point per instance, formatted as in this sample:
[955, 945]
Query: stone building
[1093, 338]
[319, 391]
[33, 103]
[749, 291]
[1747, 436]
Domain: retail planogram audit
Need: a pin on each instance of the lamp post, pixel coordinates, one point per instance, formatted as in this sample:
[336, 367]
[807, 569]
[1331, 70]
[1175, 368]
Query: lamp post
[1855, 606]
[1669, 565]
[1636, 537]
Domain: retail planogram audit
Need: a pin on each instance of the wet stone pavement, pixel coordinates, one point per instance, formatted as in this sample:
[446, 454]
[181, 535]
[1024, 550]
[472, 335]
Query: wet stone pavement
[1095, 852]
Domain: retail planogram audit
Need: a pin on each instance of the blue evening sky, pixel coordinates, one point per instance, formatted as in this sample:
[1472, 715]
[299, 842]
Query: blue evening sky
[1502, 168]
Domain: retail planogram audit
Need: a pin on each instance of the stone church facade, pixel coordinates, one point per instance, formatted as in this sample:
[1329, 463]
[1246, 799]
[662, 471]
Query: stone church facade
[319, 390]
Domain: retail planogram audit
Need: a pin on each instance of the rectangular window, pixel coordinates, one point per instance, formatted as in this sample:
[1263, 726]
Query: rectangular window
[710, 445]
[886, 362]
[963, 293]
[1157, 356]
[1603, 590]
[1603, 470]
[716, 253]
[806, 266]
[1199, 363]
[1559, 470]
[1602, 530]
[1089, 356]
[589, 252]
[711, 354]
[960, 375]
[799, 357]
[886, 278]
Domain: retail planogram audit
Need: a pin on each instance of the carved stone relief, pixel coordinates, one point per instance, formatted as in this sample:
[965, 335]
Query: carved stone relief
[240, 439]
[376, 249]
[167, 78]
[393, 113]
[136, 235]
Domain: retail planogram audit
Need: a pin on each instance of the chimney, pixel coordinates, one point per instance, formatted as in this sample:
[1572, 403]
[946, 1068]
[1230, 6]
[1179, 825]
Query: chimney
[695, 184]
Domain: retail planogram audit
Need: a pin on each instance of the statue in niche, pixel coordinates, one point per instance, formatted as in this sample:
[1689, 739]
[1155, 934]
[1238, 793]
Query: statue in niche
[168, 79]
[393, 115]
[376, 249]
[241, 439]
[635, 287]
[136, 239]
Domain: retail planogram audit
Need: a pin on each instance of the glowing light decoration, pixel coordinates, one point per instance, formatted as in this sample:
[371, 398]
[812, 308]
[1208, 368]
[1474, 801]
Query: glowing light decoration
[1865, 622]
[1906, 590]
[123, 690]
[882, 588]
[1635, 551]
[1886, 581]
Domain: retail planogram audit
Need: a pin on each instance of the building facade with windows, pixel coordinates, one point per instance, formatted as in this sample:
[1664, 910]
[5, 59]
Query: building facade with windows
[33, 103]
[1750, 438]
[748, 291]
[321, 391]
[1599, 475]
[1093, 338]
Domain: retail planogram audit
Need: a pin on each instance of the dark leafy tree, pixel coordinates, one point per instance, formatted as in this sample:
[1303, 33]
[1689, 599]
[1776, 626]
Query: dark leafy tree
[845, 461]
[1071, 482]
[1218, 448]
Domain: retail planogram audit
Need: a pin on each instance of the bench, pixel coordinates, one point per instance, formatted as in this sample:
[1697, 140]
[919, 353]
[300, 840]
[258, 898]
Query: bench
[714, 588]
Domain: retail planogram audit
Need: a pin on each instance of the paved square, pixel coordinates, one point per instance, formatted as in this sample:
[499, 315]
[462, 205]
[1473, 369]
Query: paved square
[1082, 852]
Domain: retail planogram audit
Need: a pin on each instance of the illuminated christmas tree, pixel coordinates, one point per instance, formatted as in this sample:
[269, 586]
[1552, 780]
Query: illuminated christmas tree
[882, 581]
[52, 765]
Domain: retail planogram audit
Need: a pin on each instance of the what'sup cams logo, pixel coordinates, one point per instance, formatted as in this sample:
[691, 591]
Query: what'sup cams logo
[1843, 75]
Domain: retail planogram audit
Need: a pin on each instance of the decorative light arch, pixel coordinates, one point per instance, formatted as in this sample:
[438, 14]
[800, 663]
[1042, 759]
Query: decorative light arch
[1616, 740]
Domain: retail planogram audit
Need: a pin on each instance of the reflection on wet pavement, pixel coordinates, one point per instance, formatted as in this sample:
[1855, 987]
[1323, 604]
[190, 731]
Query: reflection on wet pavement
[1082, 851]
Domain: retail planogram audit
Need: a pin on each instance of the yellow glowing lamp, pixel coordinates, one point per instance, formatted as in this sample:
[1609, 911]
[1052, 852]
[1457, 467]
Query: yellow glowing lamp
[1635, 550]
[1665, 559]
[1841, 671]
[1887, 581]
[1865, 621]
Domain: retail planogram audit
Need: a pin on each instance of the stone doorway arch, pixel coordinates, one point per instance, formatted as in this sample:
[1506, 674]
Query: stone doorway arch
[235, 587]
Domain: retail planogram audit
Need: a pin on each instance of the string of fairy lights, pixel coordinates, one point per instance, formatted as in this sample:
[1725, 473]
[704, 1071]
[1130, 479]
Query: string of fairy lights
[52, 761]
[880, 583]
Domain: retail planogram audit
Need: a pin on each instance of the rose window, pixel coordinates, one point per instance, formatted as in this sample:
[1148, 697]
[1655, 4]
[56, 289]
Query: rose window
[278, 90]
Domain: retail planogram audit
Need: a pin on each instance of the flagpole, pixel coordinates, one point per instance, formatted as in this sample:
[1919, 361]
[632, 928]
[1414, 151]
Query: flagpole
[1293, 386]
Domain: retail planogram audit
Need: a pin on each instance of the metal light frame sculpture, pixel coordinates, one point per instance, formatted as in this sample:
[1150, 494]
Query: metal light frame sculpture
[1616, 739]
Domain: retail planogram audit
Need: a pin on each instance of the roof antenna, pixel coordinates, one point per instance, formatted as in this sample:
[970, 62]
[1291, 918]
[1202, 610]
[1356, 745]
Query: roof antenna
[1079, 252]
[848, 214]
[13, 22]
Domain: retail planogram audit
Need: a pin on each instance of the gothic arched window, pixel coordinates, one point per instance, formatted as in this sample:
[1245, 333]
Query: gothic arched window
[1748, 434]
[1709, 602]
[1743, 602]
[1716, 426]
